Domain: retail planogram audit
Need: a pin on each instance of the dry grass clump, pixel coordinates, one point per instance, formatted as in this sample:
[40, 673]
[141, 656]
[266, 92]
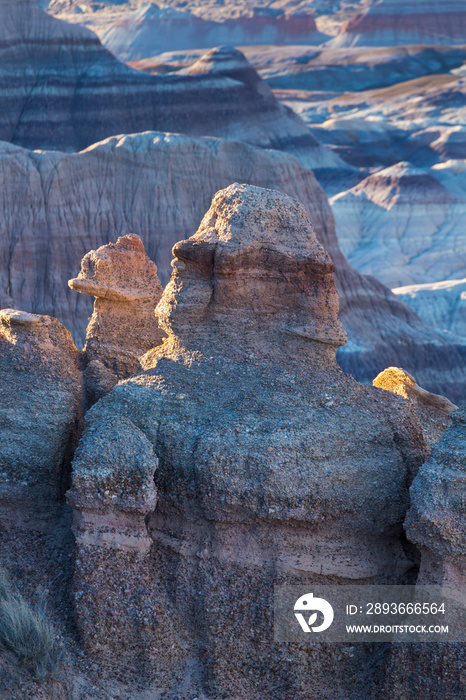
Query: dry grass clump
[25, 631]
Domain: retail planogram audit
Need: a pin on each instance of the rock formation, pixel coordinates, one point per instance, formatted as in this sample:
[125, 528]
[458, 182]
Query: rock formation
[402, 226]
[436, 519]
[395, 22]
[63, 90]
[40, 422]
[152, 29]
[231, 405]
[43, 57]
[150, 184]
[135, 180]
[432, 410]
[39, 406]
[265, 122]
[126, 288]
[436, 524]
[414, 120]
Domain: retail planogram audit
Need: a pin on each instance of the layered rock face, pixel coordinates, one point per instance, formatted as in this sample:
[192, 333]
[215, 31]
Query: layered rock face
[152, 29]
[432, 410]
[265, 122]
[231, 405]
[414, 120]
[63, 90]
[330, 69]
[43, 58]
[137, 179]
[126, 288]
[402, 226]
[394, 22]
[439, 304]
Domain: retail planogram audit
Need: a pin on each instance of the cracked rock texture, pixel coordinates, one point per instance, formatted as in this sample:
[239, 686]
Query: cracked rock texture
[129, 184]
[432, 410]
[123, 326]
[273, 465]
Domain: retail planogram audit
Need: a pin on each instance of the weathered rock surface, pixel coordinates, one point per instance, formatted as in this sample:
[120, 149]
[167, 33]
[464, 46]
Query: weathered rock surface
[112, 495]
[436, 524]
[436, 519]
[231, 404]
[432, 410]
[135, 180]
[152, 29]
[440, 304]
[123, 327]
[39, 406]
[395, 22]
[40, 422]
[402, 226]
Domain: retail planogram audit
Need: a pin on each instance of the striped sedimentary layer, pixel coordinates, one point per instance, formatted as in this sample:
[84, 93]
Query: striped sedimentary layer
[61, 89]
[395, 22]
[403, 226]
[440, 304]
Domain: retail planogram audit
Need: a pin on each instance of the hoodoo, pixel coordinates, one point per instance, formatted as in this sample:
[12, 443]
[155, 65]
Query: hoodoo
[126, 288]
[248, 414]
